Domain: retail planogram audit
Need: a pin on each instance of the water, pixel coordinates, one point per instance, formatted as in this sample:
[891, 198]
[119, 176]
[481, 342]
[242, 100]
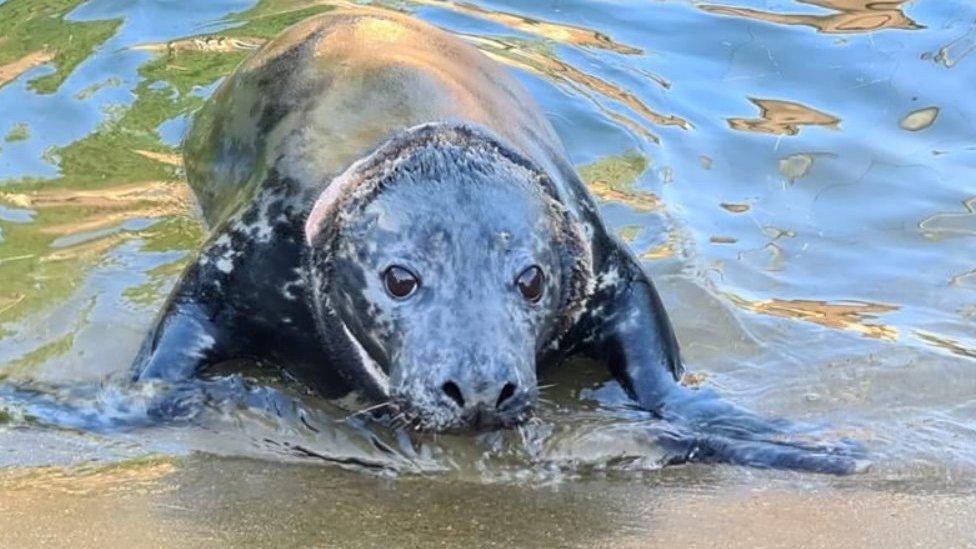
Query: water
[776, 164]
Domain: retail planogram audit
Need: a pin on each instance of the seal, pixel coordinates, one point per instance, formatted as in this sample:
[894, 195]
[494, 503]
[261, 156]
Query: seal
[391, 214]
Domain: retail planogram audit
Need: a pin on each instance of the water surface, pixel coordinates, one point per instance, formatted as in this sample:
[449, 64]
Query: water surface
[799, 177]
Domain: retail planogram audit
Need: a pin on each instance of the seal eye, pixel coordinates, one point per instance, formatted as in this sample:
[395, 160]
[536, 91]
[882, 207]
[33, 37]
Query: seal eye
[400, 283]
[530, 283]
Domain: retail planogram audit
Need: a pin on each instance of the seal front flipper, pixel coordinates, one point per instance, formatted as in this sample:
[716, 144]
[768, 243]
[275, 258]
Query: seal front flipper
[633, 334]
[187, 337]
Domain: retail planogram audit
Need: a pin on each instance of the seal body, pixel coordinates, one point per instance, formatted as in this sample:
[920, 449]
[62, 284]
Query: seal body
[391, 214]
[287, 124]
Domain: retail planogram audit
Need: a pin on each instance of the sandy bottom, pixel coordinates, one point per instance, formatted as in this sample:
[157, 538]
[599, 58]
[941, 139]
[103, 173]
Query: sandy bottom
[204, 501]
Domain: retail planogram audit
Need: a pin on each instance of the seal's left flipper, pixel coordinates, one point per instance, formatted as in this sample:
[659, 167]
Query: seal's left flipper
[635, 338]
[683, 447]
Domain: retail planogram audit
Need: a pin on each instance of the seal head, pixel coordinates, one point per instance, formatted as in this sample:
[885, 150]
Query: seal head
[451, 267]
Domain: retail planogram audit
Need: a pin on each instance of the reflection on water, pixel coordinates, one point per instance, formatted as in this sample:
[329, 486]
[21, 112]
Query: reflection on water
[134, 475]
[37, 33]
[817, 258]
[735, 208]
[540, 61]
[851, 16]
[18, 67]
[953, 52]
[950, 345]
[919, 119]
[782, 118]
[205, 43]
[842, 316]
[565, 34]
[951, 223]
[612, 179]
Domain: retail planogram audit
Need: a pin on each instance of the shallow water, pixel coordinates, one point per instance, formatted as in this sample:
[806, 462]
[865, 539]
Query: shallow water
[811, 227]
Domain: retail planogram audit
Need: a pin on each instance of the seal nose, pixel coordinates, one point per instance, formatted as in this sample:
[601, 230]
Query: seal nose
[452, 390]
[480, 399]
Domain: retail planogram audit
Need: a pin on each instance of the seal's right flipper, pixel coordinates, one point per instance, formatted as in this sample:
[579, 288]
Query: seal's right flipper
[182, 343]
[188, 336]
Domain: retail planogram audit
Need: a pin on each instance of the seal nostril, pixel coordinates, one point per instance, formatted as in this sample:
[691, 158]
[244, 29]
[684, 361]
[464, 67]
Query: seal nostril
[507, 392]
[454, 392]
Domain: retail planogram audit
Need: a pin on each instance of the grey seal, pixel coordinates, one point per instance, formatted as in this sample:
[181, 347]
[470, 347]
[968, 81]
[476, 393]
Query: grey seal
[391, 214]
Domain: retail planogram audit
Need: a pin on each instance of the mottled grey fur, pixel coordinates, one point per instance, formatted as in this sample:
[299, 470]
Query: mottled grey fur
[467, 215]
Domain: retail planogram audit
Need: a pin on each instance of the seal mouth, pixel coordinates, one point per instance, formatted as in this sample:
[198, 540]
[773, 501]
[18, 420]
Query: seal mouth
[402, 415]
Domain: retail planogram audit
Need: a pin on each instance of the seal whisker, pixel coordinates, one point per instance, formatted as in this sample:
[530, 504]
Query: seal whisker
[365, 411]
[397, 418]
[521, 431]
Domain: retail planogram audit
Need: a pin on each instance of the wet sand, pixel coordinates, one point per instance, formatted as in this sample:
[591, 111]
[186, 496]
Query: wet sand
[202, 501]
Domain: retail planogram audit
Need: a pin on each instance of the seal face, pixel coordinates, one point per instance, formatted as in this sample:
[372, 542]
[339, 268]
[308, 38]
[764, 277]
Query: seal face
[451, 267]
[393, 215]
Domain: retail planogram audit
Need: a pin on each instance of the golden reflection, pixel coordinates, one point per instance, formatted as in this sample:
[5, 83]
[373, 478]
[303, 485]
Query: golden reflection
[694, 380]
[627, 123]
[782, 118]
[101, 209]
[919, 119]
[544, 63]
[524, 55]
[565, 34]
[734, 208]
[612, 179]
[103, 220]
[557, 32]
[848, 17]
[136, 475]
[657, 253]
[668, 249]
[170, 196]
[843, 315]
[165, 158]
[639, 201]
[628, 233]
[946, 343]
[89, 250]
[10, 71]
[207, 43]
